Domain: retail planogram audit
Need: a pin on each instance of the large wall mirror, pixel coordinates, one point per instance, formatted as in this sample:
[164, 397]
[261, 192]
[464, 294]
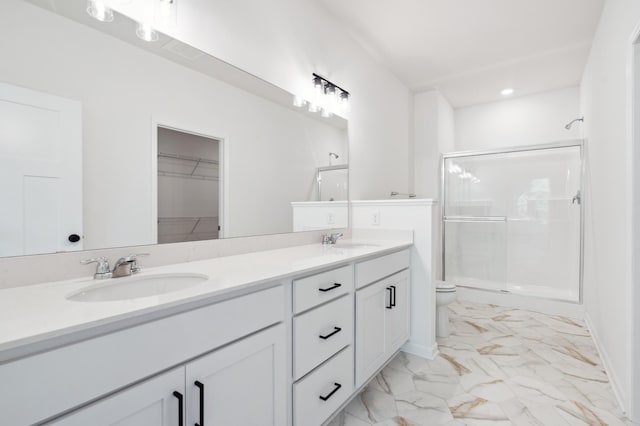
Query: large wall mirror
[108, 141]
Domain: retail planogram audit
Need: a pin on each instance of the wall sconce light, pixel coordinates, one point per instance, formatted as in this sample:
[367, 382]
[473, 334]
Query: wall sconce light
[327, 97]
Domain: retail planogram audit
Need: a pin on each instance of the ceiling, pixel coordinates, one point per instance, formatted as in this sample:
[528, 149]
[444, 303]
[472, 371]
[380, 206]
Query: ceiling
[472, 49]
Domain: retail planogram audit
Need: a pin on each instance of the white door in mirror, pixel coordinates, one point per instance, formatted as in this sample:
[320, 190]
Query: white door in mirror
[41, 148]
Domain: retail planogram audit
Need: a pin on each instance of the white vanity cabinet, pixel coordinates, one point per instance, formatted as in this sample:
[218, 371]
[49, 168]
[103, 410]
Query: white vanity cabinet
[47, 384]
[382, 315]
[241, 384]
[290, 352]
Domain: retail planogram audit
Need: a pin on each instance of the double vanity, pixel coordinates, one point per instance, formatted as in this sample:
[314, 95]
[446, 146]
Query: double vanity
[278, 337]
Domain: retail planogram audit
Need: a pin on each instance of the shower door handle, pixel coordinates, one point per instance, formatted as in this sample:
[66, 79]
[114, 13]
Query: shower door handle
[577, 197]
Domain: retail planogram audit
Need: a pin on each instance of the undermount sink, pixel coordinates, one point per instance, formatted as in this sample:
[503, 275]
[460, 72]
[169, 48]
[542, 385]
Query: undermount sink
[354, 245]
[136, 287]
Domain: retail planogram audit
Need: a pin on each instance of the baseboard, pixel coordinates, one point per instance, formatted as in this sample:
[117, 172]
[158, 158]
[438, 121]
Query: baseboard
[618, 390]
[428, 352]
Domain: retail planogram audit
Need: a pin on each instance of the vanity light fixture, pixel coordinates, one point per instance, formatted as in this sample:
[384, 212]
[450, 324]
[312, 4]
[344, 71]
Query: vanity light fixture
[328, 97]
[506, 92]
[163, 11]
[98, 10]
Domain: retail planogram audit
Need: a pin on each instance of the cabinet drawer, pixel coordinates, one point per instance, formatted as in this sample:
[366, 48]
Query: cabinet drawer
[321, 393]
[378, 268]
[316, 289]
[320, 333]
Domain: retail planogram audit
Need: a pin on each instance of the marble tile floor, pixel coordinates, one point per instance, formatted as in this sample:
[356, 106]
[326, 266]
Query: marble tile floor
[500, 366]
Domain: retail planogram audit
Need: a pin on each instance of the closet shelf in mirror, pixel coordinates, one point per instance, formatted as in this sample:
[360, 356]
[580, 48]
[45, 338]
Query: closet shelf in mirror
[187, 158]
[186, 218]
[188, 176]
[181, 166]
[171, 226]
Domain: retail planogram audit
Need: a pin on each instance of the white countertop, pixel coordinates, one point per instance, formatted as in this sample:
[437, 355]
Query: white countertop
[38, 317]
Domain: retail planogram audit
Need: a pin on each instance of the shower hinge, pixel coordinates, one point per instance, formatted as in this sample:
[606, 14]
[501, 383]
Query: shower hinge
[577, 197]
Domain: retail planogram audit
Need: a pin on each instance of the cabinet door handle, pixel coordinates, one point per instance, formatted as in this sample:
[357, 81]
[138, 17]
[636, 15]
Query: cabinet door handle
[336, 330]
[201, 387]
[180, 407]
[390, 305]
[333, 287]
[393, 295]
[337, 387]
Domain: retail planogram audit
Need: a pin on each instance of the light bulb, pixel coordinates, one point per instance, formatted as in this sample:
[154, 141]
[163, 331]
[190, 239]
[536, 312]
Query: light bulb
[298, 101]
[326, 113]
[97, 10]
[318, 90]
[313, 107]
[330, 97]
[344, 102]
[146, 32]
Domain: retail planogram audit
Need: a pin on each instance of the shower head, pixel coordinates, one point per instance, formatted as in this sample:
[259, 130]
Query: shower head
[568, 126]
[334, 155]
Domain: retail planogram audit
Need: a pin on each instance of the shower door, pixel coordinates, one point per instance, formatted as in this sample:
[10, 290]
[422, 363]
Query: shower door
[512, 220]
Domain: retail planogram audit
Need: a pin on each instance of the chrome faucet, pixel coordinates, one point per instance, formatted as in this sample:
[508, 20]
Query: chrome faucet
[102, 269]
[128, 265]
[331, 239]
[124, 267]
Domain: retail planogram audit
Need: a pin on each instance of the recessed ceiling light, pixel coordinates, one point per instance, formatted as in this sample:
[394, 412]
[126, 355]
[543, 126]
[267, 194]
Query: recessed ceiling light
[507, 92]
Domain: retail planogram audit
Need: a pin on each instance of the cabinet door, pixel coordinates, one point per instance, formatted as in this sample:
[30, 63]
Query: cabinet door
[151, 403]
[371, 304]
[243, 384]
[398, 320]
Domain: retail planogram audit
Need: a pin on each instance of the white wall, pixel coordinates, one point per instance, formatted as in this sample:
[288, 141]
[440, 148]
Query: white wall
[273, 151]
[283, 42]
[433, 134]
[606, 92]
[527, 120]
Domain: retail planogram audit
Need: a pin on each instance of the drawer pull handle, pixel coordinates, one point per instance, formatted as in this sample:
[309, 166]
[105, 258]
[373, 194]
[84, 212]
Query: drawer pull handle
[200, 386]
[333, 287]
[180, 407]
[337, 387]
[390, 305]
[393, 294]
[336, 330]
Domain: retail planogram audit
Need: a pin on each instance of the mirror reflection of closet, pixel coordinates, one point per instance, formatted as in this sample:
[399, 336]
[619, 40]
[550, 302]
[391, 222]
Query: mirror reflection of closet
[189, 199]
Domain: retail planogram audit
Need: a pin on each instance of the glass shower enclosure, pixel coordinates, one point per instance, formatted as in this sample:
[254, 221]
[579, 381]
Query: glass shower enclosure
[512, 220]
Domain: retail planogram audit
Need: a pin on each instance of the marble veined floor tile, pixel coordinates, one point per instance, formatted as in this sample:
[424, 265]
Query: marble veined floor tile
[475, 410]
[499, 366]
[396, 382]
[486, 387]
[423, 409]
[346, 419]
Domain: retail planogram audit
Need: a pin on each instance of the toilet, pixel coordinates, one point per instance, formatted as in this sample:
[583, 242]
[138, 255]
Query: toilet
[445, 294]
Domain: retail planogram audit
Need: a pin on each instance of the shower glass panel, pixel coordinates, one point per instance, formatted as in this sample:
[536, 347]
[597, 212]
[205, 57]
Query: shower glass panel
[512, 221]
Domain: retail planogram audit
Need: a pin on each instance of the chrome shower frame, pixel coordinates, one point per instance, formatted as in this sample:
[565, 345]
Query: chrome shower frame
[580, 143]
